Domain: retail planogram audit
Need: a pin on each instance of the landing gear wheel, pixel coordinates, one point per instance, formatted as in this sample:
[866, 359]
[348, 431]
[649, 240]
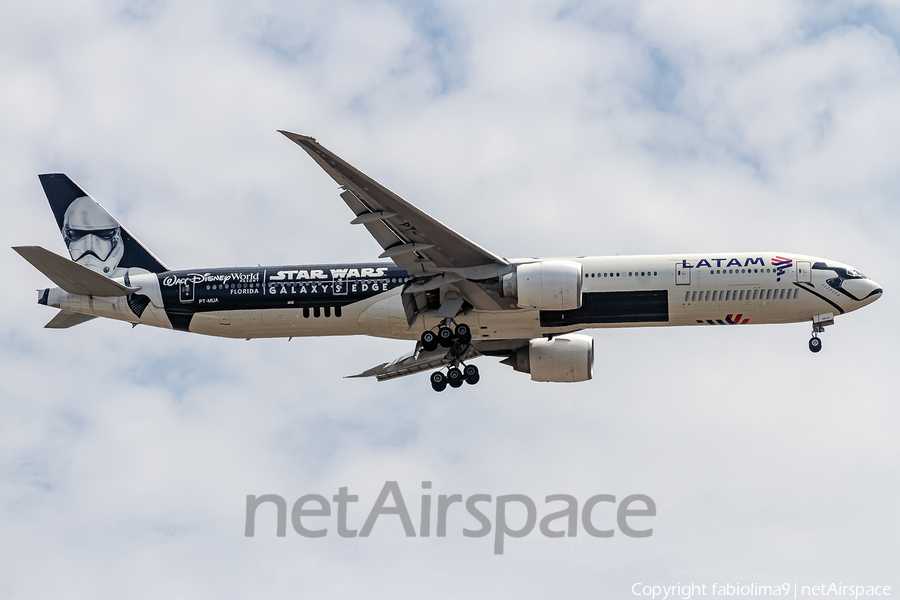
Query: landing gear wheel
[429, 341]
[474, 379]
[438, 382]
[463, 333]
[454, 375]
[471, 372]
[815, 344]
[445, 336]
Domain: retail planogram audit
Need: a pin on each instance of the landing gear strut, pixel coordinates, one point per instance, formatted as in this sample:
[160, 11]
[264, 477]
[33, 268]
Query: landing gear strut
[457, 340]
[815, 344]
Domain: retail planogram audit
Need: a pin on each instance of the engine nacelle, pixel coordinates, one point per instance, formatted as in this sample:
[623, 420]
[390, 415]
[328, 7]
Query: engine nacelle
[565, 358]
[547, 285]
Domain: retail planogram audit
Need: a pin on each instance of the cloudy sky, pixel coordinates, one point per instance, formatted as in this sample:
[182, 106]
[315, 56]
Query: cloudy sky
[545, 128]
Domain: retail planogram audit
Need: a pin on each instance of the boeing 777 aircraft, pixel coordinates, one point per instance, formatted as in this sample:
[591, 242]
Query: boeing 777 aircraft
[455, 299]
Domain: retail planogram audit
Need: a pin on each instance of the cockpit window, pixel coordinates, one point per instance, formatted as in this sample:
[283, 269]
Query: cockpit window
[850, 274]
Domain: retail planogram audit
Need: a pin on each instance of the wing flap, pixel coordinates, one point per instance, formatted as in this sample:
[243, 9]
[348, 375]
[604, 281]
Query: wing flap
[378, 229]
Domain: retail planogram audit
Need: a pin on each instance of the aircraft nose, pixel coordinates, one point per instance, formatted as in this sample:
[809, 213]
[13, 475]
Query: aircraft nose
[876, 292]
[866, 290]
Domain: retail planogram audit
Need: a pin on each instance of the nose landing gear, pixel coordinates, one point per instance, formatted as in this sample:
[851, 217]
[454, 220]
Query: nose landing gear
[815, 344]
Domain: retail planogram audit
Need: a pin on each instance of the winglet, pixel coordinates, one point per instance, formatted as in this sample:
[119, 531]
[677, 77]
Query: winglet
[297, 138]
[71, 276]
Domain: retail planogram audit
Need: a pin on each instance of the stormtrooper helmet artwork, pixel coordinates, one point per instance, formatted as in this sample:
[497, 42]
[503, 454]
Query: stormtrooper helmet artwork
[93, 237]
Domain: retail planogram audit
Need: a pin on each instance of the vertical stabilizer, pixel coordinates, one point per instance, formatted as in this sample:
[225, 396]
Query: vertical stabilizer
[95, 238]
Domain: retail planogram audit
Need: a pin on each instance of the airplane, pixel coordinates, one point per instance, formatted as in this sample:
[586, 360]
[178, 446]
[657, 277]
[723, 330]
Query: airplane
[454, 298]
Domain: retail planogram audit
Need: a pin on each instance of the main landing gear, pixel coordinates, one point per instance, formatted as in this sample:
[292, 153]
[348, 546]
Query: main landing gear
[455, 377]
[457, 340]
[446, 336]
[815, 344]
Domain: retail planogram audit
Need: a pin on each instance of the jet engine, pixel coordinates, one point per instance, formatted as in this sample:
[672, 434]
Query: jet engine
[565, 358]
[547, 285]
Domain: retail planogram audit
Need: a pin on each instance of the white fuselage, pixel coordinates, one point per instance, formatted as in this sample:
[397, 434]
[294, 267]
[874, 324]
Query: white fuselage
[622, 291]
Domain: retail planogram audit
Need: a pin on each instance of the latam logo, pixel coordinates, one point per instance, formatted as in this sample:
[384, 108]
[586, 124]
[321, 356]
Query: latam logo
[729, 320]
[732, 262]
[781, 264]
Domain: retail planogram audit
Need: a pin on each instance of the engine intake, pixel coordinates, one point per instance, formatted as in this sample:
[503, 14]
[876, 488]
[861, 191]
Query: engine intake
[547, 285]
[563, 359]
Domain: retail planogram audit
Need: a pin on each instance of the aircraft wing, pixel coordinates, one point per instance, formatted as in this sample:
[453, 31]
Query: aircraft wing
[402, 230]
[414, 362]
[420, 360]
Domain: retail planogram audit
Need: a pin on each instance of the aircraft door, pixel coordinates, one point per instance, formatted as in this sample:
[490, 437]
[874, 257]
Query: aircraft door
[804, 273]
[682, 274]
[186, 291]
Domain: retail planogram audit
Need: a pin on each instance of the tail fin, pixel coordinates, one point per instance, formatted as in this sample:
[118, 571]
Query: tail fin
[95, 239]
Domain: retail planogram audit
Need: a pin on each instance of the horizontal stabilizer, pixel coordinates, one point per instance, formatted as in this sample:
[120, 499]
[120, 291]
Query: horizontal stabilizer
[71, 276]
[65, 319]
